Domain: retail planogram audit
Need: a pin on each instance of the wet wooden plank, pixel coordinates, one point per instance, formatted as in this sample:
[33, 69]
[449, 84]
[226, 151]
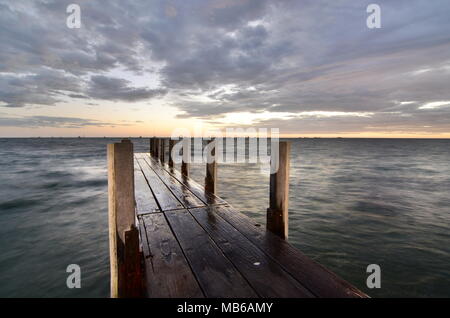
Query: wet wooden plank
[166, 200]
[145, 202]
[319, 280]
[179, 190]
[216, 275]
[143, 238]
[266, 276]
[206, 197]
[168, 274]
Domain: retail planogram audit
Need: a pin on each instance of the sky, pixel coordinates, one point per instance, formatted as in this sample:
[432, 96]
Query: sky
[145, 68]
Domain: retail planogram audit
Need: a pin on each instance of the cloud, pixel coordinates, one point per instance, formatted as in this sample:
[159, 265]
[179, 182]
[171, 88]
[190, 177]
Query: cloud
[434, 105]
[247, 118]
[55, 122]
[80, 96]
[116, 89]
[45, 88]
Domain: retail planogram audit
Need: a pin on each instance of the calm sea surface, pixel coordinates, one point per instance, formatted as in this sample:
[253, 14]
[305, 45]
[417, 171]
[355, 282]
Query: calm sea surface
[353, 202]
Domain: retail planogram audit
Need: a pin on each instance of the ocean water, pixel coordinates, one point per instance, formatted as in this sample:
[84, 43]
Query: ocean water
[353, 202]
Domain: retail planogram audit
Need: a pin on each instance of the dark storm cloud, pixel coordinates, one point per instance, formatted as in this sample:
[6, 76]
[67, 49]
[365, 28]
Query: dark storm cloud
[116, 89]
[237, 55]
[45, 87]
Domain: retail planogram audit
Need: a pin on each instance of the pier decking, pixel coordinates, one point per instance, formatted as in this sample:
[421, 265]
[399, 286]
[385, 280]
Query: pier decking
[194, 244]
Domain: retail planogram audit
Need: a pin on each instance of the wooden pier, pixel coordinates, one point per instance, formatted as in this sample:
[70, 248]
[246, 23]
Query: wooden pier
[172, 237]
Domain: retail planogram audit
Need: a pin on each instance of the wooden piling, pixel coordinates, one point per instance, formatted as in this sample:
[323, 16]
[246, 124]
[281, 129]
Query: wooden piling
[186, 156]
[162, 154]
[277, 213]
[151, 146]
[211, 167]
[171, 145]
[154, 147]
[157, 148]
[126, 280]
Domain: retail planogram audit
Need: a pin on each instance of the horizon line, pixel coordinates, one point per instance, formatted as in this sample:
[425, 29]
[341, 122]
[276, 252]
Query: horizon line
[148, 137]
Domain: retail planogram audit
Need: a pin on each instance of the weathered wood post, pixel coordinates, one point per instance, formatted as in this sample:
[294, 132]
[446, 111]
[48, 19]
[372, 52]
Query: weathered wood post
[171, 145]
[162, 154]
[123, 235]
[151, 145]
[186, 156]
[157, 148]
[277, 213]
[211, 167]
